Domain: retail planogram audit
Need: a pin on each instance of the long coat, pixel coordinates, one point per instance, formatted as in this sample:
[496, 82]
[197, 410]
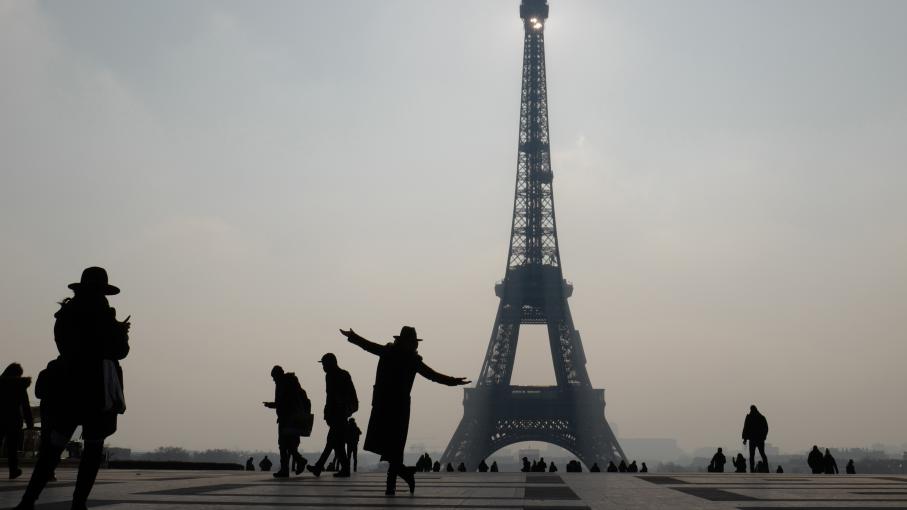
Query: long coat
[388, 424]
[87, 333]
[14, 405]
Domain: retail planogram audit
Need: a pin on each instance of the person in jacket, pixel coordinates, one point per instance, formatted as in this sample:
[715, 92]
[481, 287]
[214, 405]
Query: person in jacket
[718, 462]
[353, 433]
[15, 411]
[388, 425]
[739, 463]
[86, 383]
[755, 430]
[828, 462]
[816, 461]
[340, 403]
[851, 469]
[289, 402]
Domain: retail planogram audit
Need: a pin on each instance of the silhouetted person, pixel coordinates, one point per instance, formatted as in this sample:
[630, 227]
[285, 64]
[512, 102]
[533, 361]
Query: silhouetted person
[831, 467]
[388, 426]
[91, 341]
[449, 468]
[250, 466]
[461, 468]
[644, 468]
[632, 468]
[816, 461]
[612, 468]
[14, 411]
[761, 467]
[483, 467]
[542, 465]
[780, 469]
[851, 469]
[265, 464]
[739, 463]
[51, 401]
[436, 467]
[290, 403]
[340, 403]
[494, 466]
[526, 466]
[718, 461]
[622, 467]
[534, 468]
[352, 444]
[595, 468]
[755, 430]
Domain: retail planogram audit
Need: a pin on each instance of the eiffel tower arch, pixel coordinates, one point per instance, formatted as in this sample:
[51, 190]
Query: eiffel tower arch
[570, 414]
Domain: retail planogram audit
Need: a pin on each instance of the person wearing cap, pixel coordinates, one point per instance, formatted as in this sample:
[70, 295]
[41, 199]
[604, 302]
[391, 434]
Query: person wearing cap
[91, 341]
[340, 403]
[388, 425]
[289, 401]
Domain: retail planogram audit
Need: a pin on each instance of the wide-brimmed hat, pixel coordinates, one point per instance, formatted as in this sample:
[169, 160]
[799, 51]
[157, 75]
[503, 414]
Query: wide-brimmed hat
[95, 278]
[408, 333]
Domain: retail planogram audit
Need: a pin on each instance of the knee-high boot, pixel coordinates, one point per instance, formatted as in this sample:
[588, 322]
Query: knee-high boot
[88, 472]
[48, 458]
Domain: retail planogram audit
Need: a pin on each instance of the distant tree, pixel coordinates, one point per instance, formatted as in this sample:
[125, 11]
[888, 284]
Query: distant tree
[172, 453]
[219, 455]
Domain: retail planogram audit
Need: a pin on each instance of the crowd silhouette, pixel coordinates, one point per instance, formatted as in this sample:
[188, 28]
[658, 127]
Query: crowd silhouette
[83, 387]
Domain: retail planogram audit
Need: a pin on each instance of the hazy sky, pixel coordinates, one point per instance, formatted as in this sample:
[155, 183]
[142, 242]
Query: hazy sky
[730, 189]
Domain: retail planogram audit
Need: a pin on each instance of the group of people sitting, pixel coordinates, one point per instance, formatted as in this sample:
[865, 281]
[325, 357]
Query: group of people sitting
[623, 467]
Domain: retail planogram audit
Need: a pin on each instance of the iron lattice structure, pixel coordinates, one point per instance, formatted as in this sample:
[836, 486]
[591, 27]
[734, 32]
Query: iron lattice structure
[533, 291]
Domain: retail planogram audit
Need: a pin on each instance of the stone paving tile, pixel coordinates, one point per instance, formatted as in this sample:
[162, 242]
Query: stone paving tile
[203, 490]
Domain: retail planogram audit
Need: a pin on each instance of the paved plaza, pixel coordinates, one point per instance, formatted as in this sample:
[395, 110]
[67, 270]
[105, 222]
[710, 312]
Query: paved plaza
[150, 490]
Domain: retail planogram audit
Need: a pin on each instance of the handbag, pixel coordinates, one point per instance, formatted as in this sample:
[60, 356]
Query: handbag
[114, 400]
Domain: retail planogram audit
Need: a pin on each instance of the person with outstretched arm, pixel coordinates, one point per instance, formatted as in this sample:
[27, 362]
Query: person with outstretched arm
[388, 425]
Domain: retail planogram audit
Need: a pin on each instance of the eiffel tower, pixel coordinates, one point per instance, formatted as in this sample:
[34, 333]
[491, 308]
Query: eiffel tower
[496, 414]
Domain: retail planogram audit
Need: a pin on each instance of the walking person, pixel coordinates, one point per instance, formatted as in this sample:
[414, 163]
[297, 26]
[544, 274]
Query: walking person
[816, 461]
[340, 403]
[86, 383]
[353, 432]
[15, 411]
[755, 430]
[828, 462]
[388, 426]
[292, 406]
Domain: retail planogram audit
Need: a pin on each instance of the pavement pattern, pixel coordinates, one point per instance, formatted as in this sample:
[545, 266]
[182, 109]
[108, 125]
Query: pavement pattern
[201, 490]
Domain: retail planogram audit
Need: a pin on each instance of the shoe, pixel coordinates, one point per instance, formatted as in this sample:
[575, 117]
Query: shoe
[16, 473]
[25, 505]
[409, 476]
[300, 465]
[281, 474]
[315, 470]
[342, 474]
[78, 506]
[389, 492]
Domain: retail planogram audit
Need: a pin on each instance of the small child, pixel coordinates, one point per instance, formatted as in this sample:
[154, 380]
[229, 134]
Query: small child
[352, 443]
